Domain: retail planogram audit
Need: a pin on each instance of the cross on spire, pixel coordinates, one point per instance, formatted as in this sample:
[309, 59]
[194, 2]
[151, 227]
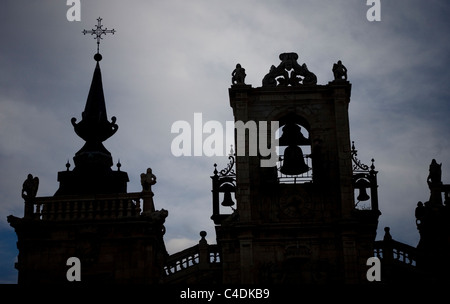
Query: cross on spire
[98, 32]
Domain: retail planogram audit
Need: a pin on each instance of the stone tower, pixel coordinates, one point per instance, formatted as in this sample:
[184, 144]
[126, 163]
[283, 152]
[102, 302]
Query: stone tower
[117, 237]
[298, 217]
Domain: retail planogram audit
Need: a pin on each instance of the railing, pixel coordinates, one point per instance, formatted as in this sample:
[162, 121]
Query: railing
[214, 254]
[67, 208]
[202, 255]
[393, 251]
[182, 260]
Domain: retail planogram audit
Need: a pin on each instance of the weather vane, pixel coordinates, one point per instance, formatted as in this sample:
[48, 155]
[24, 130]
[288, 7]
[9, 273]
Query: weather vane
[98, 32]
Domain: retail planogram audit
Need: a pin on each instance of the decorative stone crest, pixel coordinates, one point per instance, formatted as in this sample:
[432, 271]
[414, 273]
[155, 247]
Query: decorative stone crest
[279, 76]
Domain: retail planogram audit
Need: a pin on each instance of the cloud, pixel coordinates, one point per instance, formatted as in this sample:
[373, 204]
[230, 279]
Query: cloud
[175, 245]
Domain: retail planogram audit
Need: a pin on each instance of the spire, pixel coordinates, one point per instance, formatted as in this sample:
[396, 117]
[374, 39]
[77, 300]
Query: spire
[92, 173]
[95, 105]
[94, 127]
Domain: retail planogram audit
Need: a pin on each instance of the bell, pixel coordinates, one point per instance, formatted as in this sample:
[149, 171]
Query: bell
[362, 186]
[362, 195]
[227, 200]
[293, 163]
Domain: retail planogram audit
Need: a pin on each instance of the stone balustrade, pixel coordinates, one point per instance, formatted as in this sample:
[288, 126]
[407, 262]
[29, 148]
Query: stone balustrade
[69, 208]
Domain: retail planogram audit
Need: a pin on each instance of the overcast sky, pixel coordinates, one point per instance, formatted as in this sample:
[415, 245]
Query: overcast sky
[171, 59]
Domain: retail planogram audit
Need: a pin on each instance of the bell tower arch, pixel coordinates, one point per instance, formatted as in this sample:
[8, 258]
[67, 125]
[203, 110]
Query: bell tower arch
[296, 218]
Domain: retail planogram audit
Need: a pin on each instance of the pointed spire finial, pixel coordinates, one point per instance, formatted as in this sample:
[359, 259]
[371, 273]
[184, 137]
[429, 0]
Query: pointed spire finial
[94, 127]
[92, 173]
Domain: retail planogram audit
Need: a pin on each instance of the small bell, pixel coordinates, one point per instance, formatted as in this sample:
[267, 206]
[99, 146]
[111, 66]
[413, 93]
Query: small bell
[363, 196]
[362, 185]
[293, 163]
[227, 200]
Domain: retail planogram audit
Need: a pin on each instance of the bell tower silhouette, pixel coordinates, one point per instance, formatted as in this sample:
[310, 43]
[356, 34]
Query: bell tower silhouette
[297, 221]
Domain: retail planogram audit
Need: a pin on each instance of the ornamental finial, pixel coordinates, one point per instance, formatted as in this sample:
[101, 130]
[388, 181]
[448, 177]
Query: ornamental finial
[98, 32]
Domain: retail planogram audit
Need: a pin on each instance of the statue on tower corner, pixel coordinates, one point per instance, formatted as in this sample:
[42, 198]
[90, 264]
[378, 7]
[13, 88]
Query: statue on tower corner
[339, 71]
[30, 187]
[238, 75]
[435, 175]
[434, 182]
[148, 180]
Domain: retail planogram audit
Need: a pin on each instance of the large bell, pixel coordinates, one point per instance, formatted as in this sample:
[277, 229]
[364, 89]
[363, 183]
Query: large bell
[293, 162]
[362, 185]
[227, 200]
